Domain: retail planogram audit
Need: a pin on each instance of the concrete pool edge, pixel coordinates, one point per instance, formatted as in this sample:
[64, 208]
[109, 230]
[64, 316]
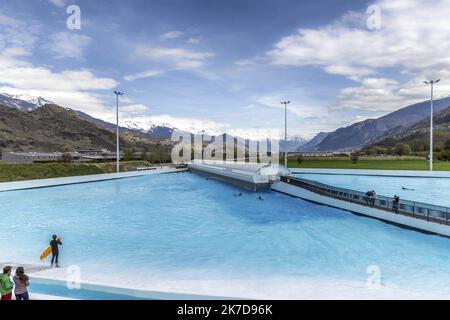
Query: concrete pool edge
[311, 289]
[53, 182]
[125, 291]
[370, 172]
[402, 221]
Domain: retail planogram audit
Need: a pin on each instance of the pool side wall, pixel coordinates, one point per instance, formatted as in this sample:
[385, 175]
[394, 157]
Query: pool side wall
[408, 222]
[43, 183]
[235, 180]
[136, 293]
[382, 173]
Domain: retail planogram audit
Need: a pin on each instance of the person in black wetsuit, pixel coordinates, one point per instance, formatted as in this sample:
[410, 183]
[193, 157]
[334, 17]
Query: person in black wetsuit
[55, 243]
[395, 203]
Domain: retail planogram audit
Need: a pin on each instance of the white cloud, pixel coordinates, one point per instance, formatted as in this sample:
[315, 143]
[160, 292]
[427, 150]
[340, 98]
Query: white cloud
[172, 34]
[181, 123]
[179, 57]
[134, 109]
[16, 33]
[413, 39]
[89, 102]
[384, 95]
[245, 62]
[376, 94]
[193, 40]
[68, 45]
[58, 3]
[354, 73]
[74, 89]
[298, 106]
[196, 126]
[9, 21]
[77, 89]
[10, 57]
[408, 38]
[44, 79]
[143, 75]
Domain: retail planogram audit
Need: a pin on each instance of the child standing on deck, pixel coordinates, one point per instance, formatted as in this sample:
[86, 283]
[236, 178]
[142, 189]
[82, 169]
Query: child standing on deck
[6, 285]
[21, 281]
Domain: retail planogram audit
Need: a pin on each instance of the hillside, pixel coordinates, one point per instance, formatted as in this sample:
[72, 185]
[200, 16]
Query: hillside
[366, 132]
[53, 128]
[22, 102]
[312, 144]
[417, 135]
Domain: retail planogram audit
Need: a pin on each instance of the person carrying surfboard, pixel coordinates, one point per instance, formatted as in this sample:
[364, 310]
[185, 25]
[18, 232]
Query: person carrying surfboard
[55, 243]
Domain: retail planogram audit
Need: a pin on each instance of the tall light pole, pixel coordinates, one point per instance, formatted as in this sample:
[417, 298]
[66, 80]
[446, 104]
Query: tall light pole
[431, 83]
[285, 132]
[117, 93]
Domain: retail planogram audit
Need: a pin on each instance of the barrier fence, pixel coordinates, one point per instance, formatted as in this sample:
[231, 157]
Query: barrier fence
[423, 211]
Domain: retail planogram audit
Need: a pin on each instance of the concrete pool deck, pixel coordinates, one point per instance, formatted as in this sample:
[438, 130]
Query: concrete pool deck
[53, 182]
[250, 288]
[242, 289]
[46, 275]
[380, 173]
[373, 212]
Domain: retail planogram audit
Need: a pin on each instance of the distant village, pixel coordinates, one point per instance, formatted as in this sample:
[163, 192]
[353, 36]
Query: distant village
[78, 156]
[104, 155]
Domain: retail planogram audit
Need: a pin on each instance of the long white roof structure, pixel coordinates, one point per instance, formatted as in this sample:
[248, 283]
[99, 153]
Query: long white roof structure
[255, 176]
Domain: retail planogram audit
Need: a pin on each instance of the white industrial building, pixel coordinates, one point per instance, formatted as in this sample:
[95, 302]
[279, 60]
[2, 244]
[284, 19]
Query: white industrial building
[30, 157]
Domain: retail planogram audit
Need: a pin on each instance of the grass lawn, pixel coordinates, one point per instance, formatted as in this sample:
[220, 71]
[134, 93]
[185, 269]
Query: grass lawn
[17, 172]
[369, 164]
[30, 171]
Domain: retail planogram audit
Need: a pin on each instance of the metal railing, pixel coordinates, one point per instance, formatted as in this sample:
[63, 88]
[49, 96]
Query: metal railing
[419, 210]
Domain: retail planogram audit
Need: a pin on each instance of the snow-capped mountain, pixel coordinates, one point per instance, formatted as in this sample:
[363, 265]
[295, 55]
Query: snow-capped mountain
[160, 127]
[23, 102]
[165, 129]
[292, 143]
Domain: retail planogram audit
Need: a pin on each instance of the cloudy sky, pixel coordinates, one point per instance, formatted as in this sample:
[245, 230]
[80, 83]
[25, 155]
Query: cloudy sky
[227, 64]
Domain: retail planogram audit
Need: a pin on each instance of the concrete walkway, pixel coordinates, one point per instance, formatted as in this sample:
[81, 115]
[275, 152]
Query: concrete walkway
[42, 183]
[383, 173]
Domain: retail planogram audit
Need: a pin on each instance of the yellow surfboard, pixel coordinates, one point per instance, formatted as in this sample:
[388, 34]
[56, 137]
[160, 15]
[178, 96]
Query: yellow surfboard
[46, 253]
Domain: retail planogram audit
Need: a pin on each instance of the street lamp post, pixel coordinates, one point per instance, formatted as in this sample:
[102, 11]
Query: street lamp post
[285, 132]
[431, 83]
[117, 93]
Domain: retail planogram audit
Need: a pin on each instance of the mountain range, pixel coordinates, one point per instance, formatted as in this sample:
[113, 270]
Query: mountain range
[152, 131]
[312, 144]
[52, 128]
[417, 135]
[22, 103]
[369, 131]
[18, 111]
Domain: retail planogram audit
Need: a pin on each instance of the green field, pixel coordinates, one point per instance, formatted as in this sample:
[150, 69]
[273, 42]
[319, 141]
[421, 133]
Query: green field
[30, 171]
[17, 172]
[369, 164]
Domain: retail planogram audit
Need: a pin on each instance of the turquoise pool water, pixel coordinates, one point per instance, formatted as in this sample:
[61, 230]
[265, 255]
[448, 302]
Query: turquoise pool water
[183, 233]
[80, 294]
[428, 190]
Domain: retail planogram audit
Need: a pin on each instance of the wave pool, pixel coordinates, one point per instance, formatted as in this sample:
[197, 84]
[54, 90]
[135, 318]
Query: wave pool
[183, 233]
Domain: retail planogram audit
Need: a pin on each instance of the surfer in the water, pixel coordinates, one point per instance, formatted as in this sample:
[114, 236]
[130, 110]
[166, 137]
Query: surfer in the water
[408, 189]
[55, 243]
